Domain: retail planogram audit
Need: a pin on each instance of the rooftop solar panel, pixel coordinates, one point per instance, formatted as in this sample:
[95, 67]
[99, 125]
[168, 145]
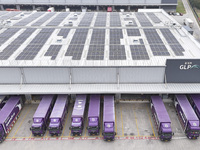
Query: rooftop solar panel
[29, 19]
[96, 52]
[98, 37]
[154, 18]
[117, 52]
[43, 19]
[139, 52]
[64, 32]
[30, 52]
[152, 36]
[133, 32]
[115, 36]
[53, 51]
[115, 20]
[101, 20]
[58, 19]
[144, 21]
[86, 20]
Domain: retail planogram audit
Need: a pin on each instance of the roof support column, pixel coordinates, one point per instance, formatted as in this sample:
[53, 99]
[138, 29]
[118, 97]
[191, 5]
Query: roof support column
[2, 8]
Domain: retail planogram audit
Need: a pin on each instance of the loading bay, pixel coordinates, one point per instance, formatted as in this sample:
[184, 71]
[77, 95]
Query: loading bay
[133, 123]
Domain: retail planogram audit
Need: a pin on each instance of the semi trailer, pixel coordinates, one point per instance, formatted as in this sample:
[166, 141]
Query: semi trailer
[41, 116]
[94, 115]
[78, 113]
[161, 118]
[109, 118]
[58, 114]
[9, 114]
[195, 102]
[187, 116]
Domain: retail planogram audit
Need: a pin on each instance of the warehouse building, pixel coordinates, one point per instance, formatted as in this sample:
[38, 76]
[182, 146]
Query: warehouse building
[145, 52]
[169, 5]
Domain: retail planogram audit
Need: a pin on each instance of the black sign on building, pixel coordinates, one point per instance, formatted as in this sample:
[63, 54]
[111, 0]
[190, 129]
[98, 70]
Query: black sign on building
[182, 71]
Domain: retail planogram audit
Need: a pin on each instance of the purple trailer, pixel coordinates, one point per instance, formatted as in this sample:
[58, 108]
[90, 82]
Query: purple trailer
[161, 118]
[9, 114]
[58, 114]
[195, 102]
[41, 116]
[77, 118]
[94, 115]
[109, 118]
[187, 116]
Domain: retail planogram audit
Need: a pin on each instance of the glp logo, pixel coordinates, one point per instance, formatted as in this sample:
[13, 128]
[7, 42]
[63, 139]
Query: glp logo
[189, 65]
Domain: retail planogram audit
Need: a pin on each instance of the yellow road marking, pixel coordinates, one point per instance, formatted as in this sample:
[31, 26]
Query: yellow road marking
[136, 121]
[65, 123]
[21, 123]
[122, 121]
[30, 135]
[150, 122]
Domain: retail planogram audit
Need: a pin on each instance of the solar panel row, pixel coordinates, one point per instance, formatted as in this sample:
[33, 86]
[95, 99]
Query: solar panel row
[53, 51]
[144, 21]
[86, 20]
[30, 52]
[173, 42]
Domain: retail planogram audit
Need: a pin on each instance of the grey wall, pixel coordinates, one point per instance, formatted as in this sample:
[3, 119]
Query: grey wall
[88, 2]
[109, 75]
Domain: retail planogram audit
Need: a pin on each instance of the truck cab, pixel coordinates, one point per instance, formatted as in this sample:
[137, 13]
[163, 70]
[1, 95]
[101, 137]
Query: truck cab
[55, 127]
[109, 132]
[93, 126]
[192, 130]
[165, 132]
[76, 126]
[38, 127]
[2, 134]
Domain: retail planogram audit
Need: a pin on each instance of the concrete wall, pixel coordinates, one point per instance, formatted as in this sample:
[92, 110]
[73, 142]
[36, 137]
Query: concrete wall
[88, 2]
[102, 75]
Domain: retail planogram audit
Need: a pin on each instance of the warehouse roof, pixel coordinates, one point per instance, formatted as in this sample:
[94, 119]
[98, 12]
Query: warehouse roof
[144, 38]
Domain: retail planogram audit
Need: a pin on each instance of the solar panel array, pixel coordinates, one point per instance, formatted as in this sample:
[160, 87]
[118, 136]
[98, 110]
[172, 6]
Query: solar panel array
[7, 34]
[152, 36]
[133, 32]
[117, 52]
[30, 52]
[9, 15]
[101, 20]
[159, 50]
[97, 45]
[139, 52]
[172, 41]
[157, 46]
[53, 51]
[58, 19]
[29, 19]
[86, 20]
[77, 43]
[98, 37]
[81, 37]
[144, 21]
[115, 36]
[154, 18]
[13, 46]
[64, 32]
[115, 20]
[43, 19]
